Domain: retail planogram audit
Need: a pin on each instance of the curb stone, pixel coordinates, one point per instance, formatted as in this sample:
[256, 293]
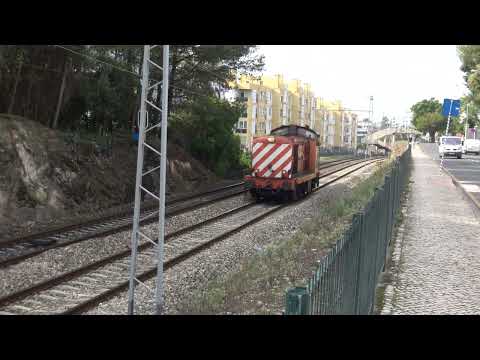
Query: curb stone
[456, 182]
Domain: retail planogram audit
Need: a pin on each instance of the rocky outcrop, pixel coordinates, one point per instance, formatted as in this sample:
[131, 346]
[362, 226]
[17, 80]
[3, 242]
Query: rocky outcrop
[42, 177]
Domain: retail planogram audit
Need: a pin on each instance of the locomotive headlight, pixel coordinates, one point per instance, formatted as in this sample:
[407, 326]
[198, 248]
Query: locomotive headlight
[271, 139]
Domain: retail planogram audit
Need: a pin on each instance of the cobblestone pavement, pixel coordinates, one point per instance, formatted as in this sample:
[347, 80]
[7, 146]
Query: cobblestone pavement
[438, 265]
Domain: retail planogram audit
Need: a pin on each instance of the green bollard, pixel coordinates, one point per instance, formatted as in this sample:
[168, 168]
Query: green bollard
[297, 301]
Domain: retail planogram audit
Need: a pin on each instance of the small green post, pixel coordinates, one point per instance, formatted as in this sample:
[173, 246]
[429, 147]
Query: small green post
[297, 301]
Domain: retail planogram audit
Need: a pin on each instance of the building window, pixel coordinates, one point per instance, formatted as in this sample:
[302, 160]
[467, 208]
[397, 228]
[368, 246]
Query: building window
[242, 96]
[242, 127]
[244, 112]
[261, 128]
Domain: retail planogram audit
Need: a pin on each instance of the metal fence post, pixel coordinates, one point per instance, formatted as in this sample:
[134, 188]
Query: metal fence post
[297, 301]
[359, 252]
[388, 234]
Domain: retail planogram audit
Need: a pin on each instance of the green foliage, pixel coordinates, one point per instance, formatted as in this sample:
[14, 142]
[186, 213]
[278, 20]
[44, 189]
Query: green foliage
[430, 122]
[207, 123]
[427, 117]
[196, 71]
[246, 160]
[207, 70]
[423, 107]
[470, 58]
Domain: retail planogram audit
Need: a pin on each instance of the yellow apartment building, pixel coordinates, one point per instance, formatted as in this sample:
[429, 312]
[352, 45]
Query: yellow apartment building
[336, 125]
[271, 101]
[257, 117]
[281, 112]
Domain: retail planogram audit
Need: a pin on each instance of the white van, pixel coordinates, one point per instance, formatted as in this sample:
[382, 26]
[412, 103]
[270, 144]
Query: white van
[471, 146]
[450, 145]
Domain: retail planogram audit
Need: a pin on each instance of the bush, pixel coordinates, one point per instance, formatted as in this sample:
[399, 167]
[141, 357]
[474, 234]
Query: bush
[245, 160]
[206, 126]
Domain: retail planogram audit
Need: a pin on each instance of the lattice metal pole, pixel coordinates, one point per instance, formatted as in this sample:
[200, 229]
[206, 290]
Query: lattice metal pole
[144, 128]
[163, 175]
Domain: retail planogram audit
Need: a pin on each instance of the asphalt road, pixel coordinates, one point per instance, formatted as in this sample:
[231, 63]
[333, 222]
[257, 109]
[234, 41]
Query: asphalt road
[466, 169]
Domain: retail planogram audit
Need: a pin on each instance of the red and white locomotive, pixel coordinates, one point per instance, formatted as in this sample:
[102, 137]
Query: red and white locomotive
[284, 163]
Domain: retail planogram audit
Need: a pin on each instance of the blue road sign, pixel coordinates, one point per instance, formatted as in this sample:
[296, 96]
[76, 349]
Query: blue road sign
[451, 107]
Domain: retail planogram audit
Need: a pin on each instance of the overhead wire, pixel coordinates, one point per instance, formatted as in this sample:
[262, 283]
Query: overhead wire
[98, 60]
[92, 58]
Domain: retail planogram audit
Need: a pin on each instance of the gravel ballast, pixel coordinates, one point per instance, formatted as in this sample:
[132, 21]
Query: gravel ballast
[57, 261]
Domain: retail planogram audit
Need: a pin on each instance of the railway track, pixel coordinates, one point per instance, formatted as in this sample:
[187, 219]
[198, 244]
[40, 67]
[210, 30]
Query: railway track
[328, 164]
[19, 249]
[78, 291]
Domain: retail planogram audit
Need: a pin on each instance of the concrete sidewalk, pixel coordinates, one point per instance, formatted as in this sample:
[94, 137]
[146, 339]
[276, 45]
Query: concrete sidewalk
[436, 261]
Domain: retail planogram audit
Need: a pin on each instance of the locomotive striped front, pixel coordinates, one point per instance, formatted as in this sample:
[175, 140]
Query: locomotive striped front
[284, 163]
[271, 160]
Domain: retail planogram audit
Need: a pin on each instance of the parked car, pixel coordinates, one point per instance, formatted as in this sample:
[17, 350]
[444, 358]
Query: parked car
[471, 146]
[450, 145]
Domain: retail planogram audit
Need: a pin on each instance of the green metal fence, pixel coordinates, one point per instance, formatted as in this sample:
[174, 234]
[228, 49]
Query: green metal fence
[346, 278]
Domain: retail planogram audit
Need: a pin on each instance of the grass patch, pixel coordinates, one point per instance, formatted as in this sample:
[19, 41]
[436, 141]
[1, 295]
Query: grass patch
[259, 283]
[391, 267]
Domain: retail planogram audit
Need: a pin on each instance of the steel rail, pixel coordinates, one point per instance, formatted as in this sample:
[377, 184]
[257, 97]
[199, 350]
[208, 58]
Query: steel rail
[111, 228]
[44, 285]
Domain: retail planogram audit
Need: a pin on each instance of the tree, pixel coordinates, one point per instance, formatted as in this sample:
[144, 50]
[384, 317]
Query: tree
[34, 82]
[427, 116]
[470, 58]
[207, 127]
[423, 107]
[207, 69]
[473, 111]
[430, 123]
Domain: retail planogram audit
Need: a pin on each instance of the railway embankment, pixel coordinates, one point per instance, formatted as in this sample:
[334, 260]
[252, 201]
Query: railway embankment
[48, 178]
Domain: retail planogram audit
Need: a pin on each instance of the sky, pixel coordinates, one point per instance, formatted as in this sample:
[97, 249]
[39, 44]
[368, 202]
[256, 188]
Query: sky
[397, 76]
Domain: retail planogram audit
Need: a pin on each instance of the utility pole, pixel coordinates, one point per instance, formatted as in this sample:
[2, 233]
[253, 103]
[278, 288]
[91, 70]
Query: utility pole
[466, 124]
[66, 69]
[370, 113]
[144, 128]
[448, 122]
